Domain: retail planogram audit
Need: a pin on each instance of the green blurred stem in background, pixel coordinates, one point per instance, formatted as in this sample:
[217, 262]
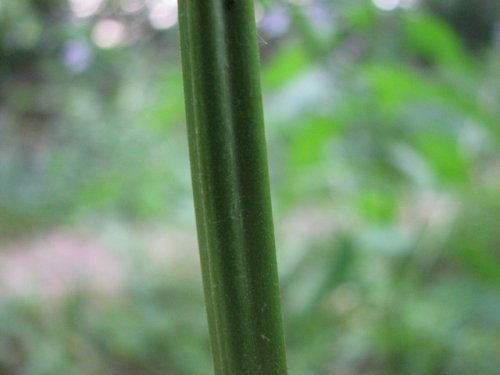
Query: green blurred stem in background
[231, 186]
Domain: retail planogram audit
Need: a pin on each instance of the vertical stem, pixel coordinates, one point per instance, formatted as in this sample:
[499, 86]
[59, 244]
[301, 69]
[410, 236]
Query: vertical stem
[231, 186]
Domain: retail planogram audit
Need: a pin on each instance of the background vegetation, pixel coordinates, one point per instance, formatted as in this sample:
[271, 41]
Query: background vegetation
[383, 133]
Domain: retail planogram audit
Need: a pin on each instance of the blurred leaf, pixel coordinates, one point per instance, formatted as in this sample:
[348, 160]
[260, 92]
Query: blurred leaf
[308, 142]
[286, 63]
[435, 41]
[444, 156]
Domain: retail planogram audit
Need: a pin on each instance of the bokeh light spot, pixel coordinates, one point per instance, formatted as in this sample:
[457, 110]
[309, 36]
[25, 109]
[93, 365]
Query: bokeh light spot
[131, 6]
[84, 8]
[163, 14]
[108, 33]
[386, 4]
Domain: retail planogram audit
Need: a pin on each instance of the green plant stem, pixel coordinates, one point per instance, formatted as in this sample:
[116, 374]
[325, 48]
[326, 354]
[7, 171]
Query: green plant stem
[231, 186]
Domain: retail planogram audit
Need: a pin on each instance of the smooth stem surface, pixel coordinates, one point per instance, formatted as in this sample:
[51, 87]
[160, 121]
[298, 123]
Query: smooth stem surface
[231, 186]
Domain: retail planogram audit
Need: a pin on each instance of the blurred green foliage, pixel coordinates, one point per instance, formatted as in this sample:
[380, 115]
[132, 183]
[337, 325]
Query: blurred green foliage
[383, 136]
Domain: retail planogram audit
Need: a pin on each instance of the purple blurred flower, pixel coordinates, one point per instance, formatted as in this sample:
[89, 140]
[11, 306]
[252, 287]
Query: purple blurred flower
[275, 22]
[319, 16]
[77, 55]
